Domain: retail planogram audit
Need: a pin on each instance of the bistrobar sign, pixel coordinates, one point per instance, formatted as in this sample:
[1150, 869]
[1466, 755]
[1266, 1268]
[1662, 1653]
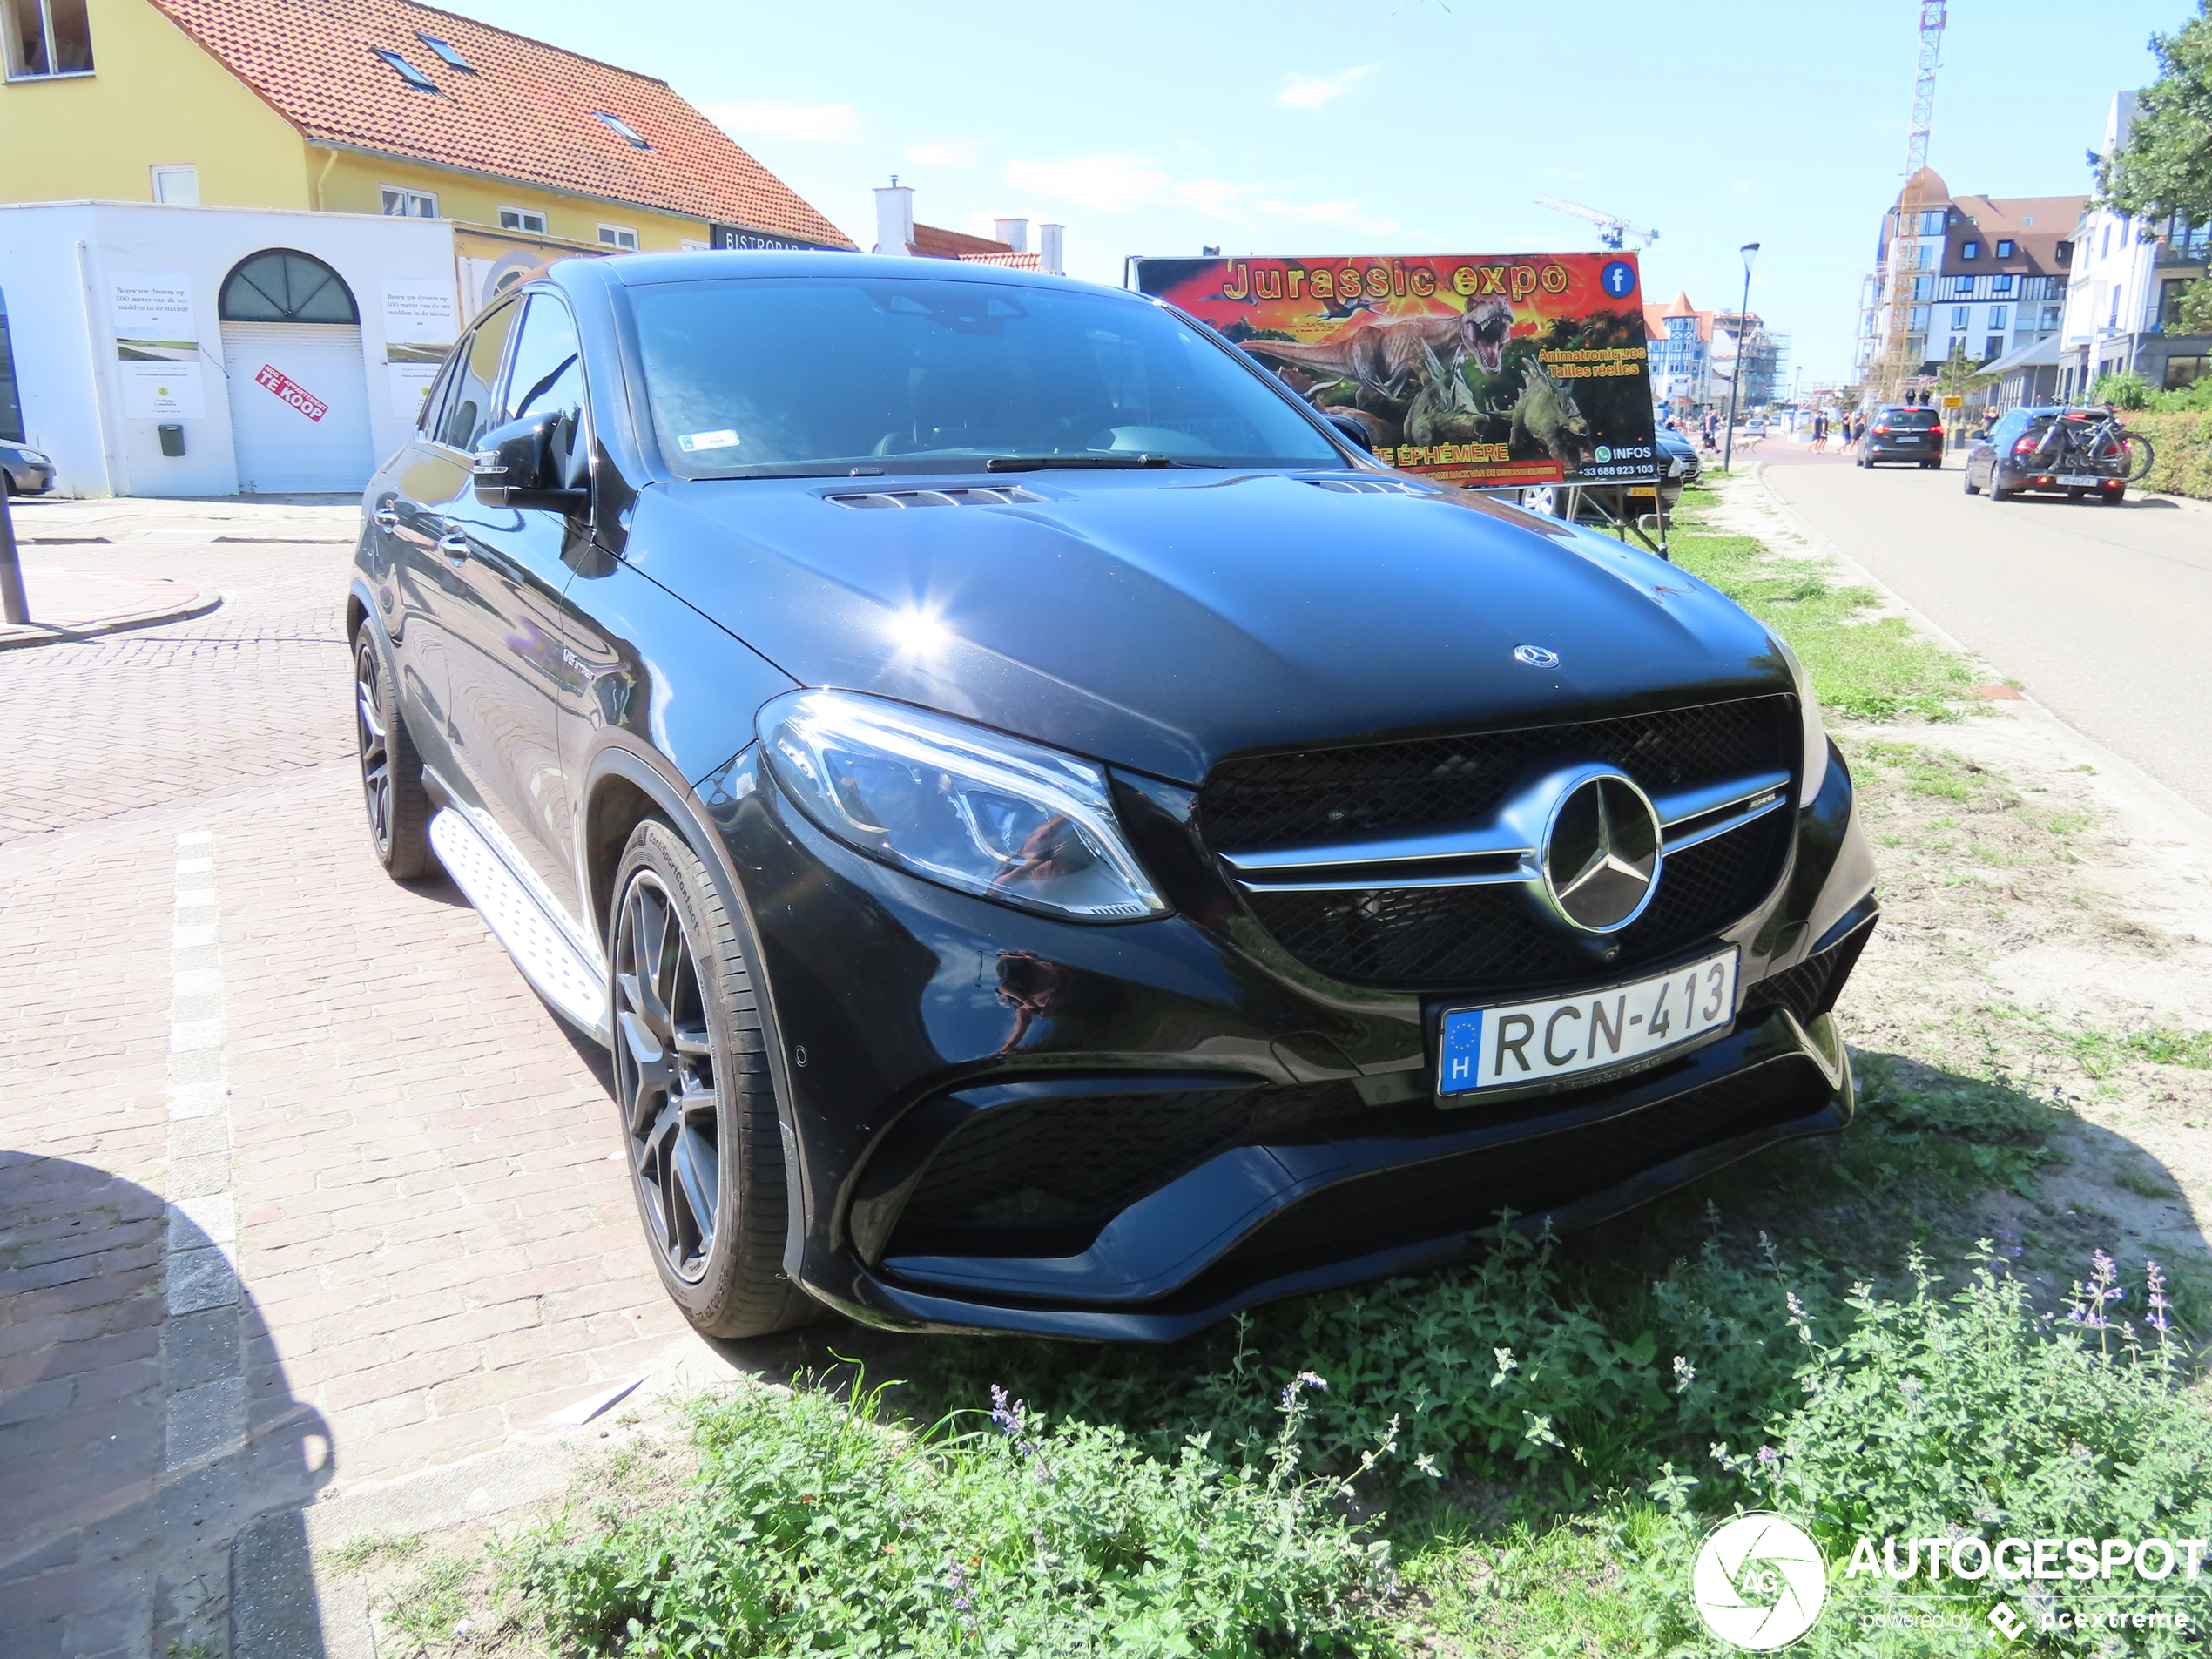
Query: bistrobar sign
[1486, 370]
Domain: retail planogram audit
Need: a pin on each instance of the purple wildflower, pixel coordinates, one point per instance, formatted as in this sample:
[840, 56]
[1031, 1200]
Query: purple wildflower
[1768, 1456]
[2154, 1283]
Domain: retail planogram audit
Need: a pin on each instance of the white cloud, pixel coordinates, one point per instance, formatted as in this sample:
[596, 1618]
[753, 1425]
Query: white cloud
[1312, 91]
[1107, 183]
[829, 124]
[938, 155]
[1348, 215]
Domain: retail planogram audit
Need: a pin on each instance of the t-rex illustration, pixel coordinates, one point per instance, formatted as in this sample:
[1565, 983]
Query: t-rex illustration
[1385, 353]
[1546, 411]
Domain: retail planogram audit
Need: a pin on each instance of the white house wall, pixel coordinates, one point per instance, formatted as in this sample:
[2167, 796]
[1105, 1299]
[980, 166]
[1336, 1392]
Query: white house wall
[61, 326]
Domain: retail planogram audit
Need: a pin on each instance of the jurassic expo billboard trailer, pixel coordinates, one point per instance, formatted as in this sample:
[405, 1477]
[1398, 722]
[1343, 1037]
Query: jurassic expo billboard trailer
[1489, 370]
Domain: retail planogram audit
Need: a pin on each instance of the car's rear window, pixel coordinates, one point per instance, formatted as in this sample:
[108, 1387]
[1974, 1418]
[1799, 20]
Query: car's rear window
[1908, 417]
[827, 376]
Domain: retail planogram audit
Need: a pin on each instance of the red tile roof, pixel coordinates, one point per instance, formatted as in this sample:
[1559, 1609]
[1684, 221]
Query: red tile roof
[932, 243]
[1028, 261]
[526, 114]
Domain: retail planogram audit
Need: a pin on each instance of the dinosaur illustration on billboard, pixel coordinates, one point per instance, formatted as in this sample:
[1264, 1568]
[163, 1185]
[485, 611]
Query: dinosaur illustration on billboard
[1488, 370]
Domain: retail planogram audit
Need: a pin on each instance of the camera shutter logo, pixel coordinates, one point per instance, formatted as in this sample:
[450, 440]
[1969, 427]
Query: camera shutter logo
[1759, 1581]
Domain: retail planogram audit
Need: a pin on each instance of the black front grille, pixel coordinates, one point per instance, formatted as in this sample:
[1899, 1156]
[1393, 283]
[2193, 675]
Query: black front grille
[1043, 1176]
[1473, 937]
[1465, 938]
[1464, 1193]
[1321, 795]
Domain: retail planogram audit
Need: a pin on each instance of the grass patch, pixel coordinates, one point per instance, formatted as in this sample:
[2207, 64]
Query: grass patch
[1863, 666]
[2103, 1053]
[816, 1525]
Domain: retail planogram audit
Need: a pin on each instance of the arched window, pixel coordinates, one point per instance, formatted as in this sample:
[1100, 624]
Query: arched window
[278, 285]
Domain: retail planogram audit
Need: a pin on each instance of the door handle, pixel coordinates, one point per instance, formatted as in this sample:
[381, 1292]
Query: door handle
[384, 518]
[454, 546]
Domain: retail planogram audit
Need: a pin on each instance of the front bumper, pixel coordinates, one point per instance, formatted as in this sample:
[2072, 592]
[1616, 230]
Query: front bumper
[1155, 1124]
[28, 480]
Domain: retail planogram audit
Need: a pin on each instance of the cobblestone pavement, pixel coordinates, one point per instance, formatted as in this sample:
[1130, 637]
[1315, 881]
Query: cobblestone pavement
[301, 1188]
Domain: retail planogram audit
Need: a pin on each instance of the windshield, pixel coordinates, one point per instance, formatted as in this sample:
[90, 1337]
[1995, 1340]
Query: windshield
[827, 376]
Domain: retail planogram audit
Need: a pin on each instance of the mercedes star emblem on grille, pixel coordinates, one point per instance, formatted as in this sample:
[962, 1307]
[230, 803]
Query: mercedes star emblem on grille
[1535, 656]
[1600, 854]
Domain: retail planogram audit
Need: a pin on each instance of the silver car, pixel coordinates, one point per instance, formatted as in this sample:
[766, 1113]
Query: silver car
[23, 470]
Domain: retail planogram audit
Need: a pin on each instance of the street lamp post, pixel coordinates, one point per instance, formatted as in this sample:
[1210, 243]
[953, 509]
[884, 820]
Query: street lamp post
[12, 608]
[1742, 339]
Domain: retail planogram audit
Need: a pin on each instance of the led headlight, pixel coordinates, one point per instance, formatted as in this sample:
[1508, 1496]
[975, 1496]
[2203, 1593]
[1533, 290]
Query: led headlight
[1815, 771]
[972, 808]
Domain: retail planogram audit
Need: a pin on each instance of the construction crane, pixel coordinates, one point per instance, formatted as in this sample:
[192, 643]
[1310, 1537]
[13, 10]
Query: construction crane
[1612, 229]
[1904, 262]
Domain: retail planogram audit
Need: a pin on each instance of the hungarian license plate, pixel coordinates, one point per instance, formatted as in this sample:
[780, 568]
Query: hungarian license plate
[1528, 1043]
[2074, 478]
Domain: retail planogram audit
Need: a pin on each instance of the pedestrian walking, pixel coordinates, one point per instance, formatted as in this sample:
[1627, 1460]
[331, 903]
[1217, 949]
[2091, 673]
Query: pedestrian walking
[1819, 432]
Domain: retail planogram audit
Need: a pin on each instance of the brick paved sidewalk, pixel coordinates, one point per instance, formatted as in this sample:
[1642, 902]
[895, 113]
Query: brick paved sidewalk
[301, 1190]
[74, 605]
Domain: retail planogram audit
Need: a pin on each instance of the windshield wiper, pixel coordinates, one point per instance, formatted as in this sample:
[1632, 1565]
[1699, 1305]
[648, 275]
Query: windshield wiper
[1038, 463]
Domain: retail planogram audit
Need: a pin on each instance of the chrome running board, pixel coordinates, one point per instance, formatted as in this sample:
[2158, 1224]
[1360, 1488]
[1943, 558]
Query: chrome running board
[557, 970]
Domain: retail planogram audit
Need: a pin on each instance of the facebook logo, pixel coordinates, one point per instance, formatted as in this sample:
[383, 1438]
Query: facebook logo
[1462, 1051]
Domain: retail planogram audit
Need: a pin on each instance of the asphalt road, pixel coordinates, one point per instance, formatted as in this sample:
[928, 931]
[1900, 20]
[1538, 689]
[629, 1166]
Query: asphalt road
[2104, 614]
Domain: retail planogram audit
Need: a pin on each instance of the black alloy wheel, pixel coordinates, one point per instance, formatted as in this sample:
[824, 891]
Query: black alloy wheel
[392, 792]
[699, 1110]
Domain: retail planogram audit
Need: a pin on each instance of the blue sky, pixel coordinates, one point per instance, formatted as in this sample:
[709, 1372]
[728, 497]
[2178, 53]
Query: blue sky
[1376, 126]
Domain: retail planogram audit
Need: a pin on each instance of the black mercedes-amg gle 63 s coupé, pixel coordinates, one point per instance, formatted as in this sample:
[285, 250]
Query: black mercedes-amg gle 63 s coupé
[1055, 838]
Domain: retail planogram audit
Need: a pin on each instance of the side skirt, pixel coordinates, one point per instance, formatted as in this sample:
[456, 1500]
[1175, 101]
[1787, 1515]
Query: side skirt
[560, 972]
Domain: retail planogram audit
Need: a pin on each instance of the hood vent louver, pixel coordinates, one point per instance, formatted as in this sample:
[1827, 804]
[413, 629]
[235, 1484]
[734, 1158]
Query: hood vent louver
[1366, 486]
[966, 496]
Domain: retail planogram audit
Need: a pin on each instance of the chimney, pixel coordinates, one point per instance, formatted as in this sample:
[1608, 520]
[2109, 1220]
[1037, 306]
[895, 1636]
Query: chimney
[1049, 249]
[1014, 232]
[894, 218]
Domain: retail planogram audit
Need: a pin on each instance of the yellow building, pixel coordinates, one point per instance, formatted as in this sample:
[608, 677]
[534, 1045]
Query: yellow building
[375, 106]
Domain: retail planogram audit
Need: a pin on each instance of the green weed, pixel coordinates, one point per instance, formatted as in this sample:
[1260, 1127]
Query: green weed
[430, 1603]
[812, 1528]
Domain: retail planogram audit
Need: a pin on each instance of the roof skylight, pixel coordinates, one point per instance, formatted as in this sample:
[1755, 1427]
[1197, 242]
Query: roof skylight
[622, 129]
[447, 51]
[405, 70]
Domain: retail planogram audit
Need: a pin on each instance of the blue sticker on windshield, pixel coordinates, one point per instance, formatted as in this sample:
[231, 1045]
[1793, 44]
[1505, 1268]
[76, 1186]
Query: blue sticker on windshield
[1461, 1051]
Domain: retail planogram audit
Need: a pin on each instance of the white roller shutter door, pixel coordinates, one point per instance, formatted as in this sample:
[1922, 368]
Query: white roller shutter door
[299, 407]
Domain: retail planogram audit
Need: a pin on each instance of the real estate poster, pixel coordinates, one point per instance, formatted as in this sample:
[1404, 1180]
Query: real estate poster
[420, 321]
[161, 391]
[419, 313]
[157, 345]
[1484, 370]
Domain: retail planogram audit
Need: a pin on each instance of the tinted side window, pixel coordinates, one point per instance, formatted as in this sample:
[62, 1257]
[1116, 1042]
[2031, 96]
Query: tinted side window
[430, 421]
[468, 412]
[547, 371]
[546, 376]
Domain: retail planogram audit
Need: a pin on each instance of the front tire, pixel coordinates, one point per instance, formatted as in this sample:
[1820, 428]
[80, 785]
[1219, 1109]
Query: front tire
[1973, 488]
[699, 1110]
[392, 792]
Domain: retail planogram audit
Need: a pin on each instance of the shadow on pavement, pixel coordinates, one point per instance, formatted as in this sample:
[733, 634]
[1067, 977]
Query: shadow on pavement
[152, 1460]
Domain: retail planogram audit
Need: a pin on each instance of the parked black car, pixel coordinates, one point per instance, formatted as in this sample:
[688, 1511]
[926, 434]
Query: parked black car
[23, 470]
[2023, 455]
[1055, 838]
[1902, 432]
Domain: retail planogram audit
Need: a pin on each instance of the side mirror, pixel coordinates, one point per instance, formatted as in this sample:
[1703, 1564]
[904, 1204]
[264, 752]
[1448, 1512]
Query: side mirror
[525, 463]
[1351, 429]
